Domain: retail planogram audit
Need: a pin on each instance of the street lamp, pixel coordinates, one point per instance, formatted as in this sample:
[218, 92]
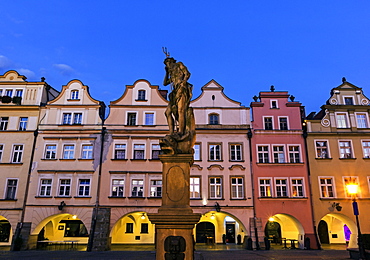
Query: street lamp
[353, 189]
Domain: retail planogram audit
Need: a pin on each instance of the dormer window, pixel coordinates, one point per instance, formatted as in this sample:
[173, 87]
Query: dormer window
[74, 94]
[141, 95]
[274, 104]
[348, 101]
[214, 119]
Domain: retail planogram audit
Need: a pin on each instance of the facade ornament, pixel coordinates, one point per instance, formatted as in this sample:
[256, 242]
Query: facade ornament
[325, 122]
[333, 101]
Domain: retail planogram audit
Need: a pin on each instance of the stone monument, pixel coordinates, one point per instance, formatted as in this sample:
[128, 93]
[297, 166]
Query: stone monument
[175, 220]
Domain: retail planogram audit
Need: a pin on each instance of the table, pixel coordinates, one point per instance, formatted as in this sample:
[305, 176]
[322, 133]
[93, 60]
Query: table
[60, 245]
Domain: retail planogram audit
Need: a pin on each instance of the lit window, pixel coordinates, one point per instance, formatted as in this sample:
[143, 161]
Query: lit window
[137, 188]
[349, 180]
[84, 187]
[281, 188]
[141, 95]
[118, 187]
[366, 148]
[194, 187]
[131, 118]
[139, 151]
[11, 189]
[149, 118]
[294, 156]
[235, 152]
[120, 151]
[265, 187]
[50, 151]
[74, 94]
[362, 120]
[322, 149]
[268, 123]
[197, 152]
[342, 121]
[297, 188]
[156, 151]
[155, 188]
[17, 153]
[69, 151]
[283, 123]
[278, 152]
[4, 123]
[23, 124]
[64, 187]
[215, 152]
[45, 187]
[215, 188]
[263, 154]
[345, 150]
[213, 119]
[326, 188]
[87, 151]
[237, 188]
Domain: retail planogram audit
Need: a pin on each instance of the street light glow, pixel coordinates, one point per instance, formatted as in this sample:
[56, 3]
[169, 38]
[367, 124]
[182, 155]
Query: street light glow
[352, 188]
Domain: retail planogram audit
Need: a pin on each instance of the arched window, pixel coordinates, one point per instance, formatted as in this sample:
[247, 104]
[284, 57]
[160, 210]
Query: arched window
[74, 94]
[214, 119]
[141, 95]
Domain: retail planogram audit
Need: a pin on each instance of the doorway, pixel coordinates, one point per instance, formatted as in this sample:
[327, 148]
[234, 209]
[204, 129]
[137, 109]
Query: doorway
[230, 233]
[204, 230]
[323, 232]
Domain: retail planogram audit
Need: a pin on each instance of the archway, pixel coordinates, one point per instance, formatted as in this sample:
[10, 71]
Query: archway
[204, 232]
[5, 231]
[273, 231]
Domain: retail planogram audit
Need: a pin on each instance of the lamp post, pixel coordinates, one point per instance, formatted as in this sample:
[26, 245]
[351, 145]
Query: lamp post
[352, 189]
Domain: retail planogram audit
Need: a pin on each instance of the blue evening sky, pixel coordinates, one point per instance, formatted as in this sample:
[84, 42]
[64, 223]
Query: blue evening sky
[304, 47]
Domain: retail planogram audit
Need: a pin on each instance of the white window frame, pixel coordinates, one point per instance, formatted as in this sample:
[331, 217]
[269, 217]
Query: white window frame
[237, 188]
[365, 123]
[18, 93]
[64, 185]
[117, 149]
[147, 122]
[87, 153]
[195, 187]
[155, 148]
[264, 124]
[17, 153]
[339, 121]
[281, 185]
[156, 188]
[77, 118]
[215, 189]
[276, 103]
[118, 186]
[75, 94]
[365, 149]
[69, 154]
[354, 179]
[214, 116]
[263, 153]
[136, 148]
[197, 152]
[279, 158]
[48, 187]
[215, 155]
[139, 185]
[73, 116]
[85, 186]
[295, 153]
[4, 122]
[46, 150]
[264, 186]
[127, 118]
[238, 155]
[327, 185]
[287, 122]
[23, 124]
[327, 149]
[7, 188]
[1, 151]
[139, 97]
[346, 155]
[295, 187]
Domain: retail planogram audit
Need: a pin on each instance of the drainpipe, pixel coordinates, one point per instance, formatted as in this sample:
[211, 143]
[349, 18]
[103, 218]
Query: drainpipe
[249, 134]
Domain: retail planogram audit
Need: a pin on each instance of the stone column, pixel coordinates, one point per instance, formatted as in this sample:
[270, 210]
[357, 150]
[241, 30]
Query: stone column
[175, 218]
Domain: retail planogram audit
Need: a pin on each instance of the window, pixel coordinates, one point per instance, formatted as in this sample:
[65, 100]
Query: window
[74, 94]
[365, 149]
[349, 180]
[342, 121]
[215, 188]
[281, 188]
[326, 188]
[237, 188]
[265, 187]
[297, 188]
[139, 151]
[64, 187]
[268, 123]
[197, 152]
[194, 187]
[263, 154]
[45, 187]
[131, 118]
[17, 153]
[278, 152]
[11, 189]
[23, 124]
[137, 188]
[4, 123]
[322, 150]
[1, 151]
[149, 118]
[235, 152]
[348, 101]
[77, 118]
[120, 151]
[129, 227]
[155, 188]
[69, 151]
[362, 120]
[274, 104]
[67, 117]
[294, 156]
[283, 123]
[144, 228]
[156, 151]
[50, 151]
[87, 151]
[215, 152]
[19, 93]
[84, 187]
[118, 187]
[141, 95]
[345, 150]
[213, 119]
[9, 92]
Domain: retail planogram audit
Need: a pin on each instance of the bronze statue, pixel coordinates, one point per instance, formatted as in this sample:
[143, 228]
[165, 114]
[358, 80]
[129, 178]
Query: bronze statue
[179, 114]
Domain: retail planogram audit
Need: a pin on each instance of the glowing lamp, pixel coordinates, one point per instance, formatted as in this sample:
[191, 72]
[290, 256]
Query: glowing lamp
[271, 219]
[352, 188]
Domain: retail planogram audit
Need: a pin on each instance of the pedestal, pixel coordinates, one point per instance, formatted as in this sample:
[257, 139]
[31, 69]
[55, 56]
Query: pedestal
[175, 220]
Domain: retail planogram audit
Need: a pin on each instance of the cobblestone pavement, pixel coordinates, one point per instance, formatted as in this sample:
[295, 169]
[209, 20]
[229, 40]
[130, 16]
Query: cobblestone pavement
[199, 255]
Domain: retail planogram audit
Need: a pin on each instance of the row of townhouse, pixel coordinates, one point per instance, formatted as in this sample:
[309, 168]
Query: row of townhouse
[70, 174]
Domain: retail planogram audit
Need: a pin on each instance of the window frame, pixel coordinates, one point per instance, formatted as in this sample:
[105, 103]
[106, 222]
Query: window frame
[22, 126]
[237, 186]
[1, 151]
[84, 186]
[4, 122]
[193, 190]
[321, 150]
[140, 96]
[266, 125]
[72, 118]
[293, 185]
[87, 154]
[263, 153]
[352, 99]
[286, 126]
[264, 185]
[332, 185]
[294, 153]
[118, 186]
[50, 152]
[365, 119]
[346, 155]
[216, 188]
[155, 188]
[69, 154]
[136, 149]
[278, 153]
[75, 94]
[281, 185]
[48, 187]
[64, 186]
[119, 149]
[272, 106]
[212, 156]
[240, 156]
[342, 123]
[213, 119]
[129, 120]
[140, 186]
[365, 149]
[199, 153]
[13, 188]
[17, 153]
[149, 121]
